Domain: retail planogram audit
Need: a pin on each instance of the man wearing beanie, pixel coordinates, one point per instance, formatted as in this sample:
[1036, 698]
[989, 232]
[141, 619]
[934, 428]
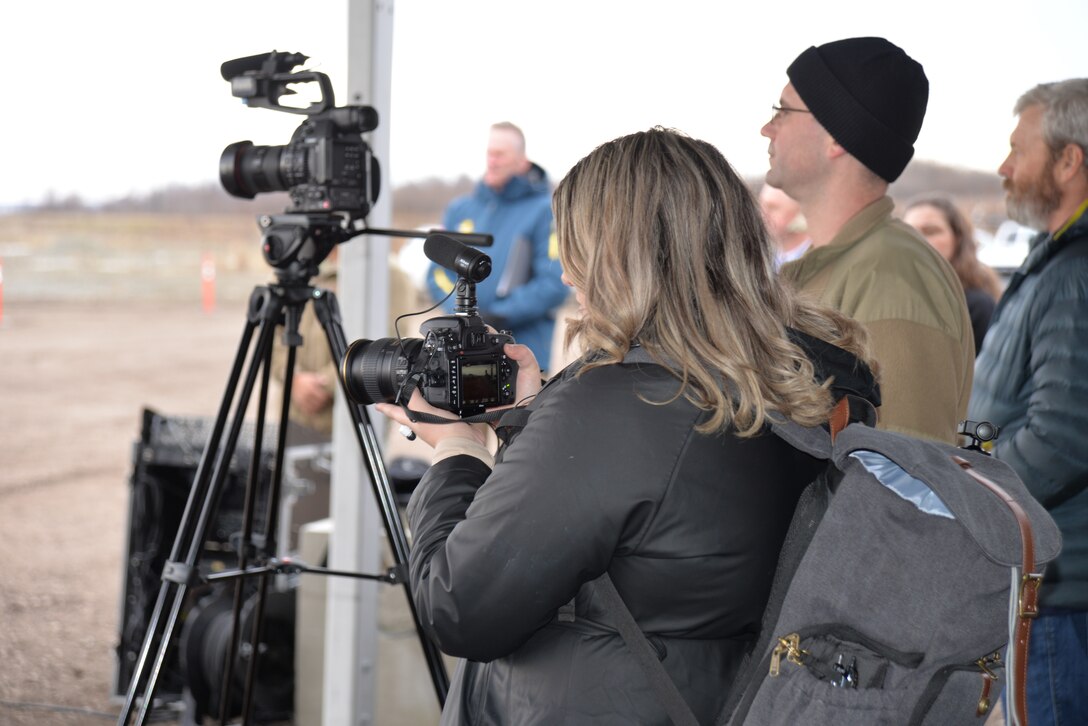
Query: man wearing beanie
[844, 128]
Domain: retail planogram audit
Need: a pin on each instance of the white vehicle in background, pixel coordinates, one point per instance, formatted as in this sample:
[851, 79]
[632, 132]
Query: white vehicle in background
[1008, 247]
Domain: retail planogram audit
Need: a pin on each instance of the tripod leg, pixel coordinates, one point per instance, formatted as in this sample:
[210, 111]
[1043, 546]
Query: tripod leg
[328, 313]
[196, 494]
[245, 546]
[264, 310]
[271, 507]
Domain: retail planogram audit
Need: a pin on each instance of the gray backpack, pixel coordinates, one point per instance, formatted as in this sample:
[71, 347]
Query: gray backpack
[903, 595]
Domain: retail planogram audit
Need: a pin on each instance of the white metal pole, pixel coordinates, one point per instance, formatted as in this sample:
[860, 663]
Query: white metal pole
[362, 287]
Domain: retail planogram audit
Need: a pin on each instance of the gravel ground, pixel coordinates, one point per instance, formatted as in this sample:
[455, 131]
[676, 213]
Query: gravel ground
[74, 378]
[125, 330]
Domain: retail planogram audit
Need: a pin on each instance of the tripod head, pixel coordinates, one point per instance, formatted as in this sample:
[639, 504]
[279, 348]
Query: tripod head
[296, 244]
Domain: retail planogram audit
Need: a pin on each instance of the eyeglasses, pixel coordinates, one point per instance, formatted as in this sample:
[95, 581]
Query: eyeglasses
[780, 110]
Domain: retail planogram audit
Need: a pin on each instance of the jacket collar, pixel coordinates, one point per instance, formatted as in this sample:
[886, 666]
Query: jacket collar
[1045, 245]
[857, 227]
[861, 223]
[528, 184]
[1073, 221]
[848, 374]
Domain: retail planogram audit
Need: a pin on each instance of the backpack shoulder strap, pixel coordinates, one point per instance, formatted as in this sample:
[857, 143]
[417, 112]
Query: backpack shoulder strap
[1025, 598]
[810, 510]
[664, 688]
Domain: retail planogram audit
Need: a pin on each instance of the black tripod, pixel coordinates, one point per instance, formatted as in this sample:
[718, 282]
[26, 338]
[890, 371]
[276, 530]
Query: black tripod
[294, 244]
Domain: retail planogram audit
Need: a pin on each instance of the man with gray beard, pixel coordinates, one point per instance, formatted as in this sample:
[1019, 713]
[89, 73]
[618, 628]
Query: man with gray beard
[1030, 377]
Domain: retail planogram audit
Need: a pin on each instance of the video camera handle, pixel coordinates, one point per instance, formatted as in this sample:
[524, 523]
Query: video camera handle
[267, 63]
[277, 86]
[260, 80]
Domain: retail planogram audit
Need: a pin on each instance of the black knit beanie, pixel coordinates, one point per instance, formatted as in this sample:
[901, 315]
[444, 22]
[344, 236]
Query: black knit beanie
[869, 95]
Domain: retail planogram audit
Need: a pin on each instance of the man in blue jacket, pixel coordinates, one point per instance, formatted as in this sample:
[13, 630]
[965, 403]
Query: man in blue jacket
[1030, 377]
[513, 203]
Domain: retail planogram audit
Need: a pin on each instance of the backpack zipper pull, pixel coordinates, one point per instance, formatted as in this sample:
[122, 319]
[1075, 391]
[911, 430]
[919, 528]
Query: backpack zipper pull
[789, 646]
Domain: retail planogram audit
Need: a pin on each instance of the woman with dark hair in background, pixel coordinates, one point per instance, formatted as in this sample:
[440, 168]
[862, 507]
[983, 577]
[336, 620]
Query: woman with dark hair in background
[947, 229]
[664, 475]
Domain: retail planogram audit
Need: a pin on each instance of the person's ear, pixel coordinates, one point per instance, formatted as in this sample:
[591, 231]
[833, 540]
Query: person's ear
[834, 149]
[1070, 162]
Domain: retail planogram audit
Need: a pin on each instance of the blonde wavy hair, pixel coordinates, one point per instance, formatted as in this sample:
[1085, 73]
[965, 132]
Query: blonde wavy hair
[667, 245]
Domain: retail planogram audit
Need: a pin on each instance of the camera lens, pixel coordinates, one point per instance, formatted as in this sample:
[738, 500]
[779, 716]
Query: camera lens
[374, 370]
[246, 170]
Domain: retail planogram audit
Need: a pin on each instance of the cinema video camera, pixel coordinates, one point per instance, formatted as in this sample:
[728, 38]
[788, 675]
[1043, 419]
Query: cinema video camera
[328, 171]
[326, 167]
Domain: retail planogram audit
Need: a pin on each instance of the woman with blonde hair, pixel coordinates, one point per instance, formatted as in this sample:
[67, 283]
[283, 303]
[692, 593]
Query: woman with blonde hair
[946, 228]
[658, 468]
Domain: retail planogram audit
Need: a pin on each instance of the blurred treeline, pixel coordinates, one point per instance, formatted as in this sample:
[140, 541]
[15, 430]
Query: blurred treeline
[415, 204]
[161, 245]
[422, 202]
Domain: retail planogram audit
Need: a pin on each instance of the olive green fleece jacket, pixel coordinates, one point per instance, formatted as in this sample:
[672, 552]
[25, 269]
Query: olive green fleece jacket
[880, 272]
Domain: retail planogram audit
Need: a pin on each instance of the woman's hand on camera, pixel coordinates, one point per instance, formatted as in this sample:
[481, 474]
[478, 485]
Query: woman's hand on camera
[528, 380]
[432, 433]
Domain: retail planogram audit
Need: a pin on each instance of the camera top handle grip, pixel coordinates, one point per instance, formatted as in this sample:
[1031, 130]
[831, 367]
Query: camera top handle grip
[261, 80]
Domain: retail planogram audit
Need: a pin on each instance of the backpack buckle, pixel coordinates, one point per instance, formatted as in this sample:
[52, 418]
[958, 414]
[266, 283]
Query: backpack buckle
[1029, 594]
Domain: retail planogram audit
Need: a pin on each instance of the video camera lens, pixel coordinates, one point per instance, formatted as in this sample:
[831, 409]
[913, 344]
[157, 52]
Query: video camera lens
[246, 170]
[374, 370]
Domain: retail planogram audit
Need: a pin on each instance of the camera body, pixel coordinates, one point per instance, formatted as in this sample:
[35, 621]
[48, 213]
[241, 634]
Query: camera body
[466, 369]
[326, 167]
[459, 366]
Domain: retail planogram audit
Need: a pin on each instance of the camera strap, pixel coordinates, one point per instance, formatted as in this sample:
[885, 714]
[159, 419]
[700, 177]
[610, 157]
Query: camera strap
[430, 418]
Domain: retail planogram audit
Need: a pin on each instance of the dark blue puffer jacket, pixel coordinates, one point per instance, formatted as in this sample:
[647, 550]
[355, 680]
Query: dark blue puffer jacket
[1031, 379]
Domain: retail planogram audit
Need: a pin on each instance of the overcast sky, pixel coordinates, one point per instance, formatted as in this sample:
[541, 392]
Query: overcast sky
[124, 96]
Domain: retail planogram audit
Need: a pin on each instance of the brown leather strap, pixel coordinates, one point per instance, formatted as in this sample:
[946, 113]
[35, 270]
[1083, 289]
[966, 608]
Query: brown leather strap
[1027, 597]
[839, 417]
[983, 706]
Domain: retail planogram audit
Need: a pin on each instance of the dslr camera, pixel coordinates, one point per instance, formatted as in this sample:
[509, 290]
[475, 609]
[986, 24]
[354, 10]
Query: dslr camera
[326, 167]
[459, 365]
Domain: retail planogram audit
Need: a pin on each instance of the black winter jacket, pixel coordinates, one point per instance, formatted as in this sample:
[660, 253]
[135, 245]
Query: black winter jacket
[689, 526]
[1030, 379]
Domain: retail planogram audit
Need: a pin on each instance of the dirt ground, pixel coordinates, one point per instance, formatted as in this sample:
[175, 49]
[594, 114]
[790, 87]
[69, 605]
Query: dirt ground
[124, 329]
[74, 378]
